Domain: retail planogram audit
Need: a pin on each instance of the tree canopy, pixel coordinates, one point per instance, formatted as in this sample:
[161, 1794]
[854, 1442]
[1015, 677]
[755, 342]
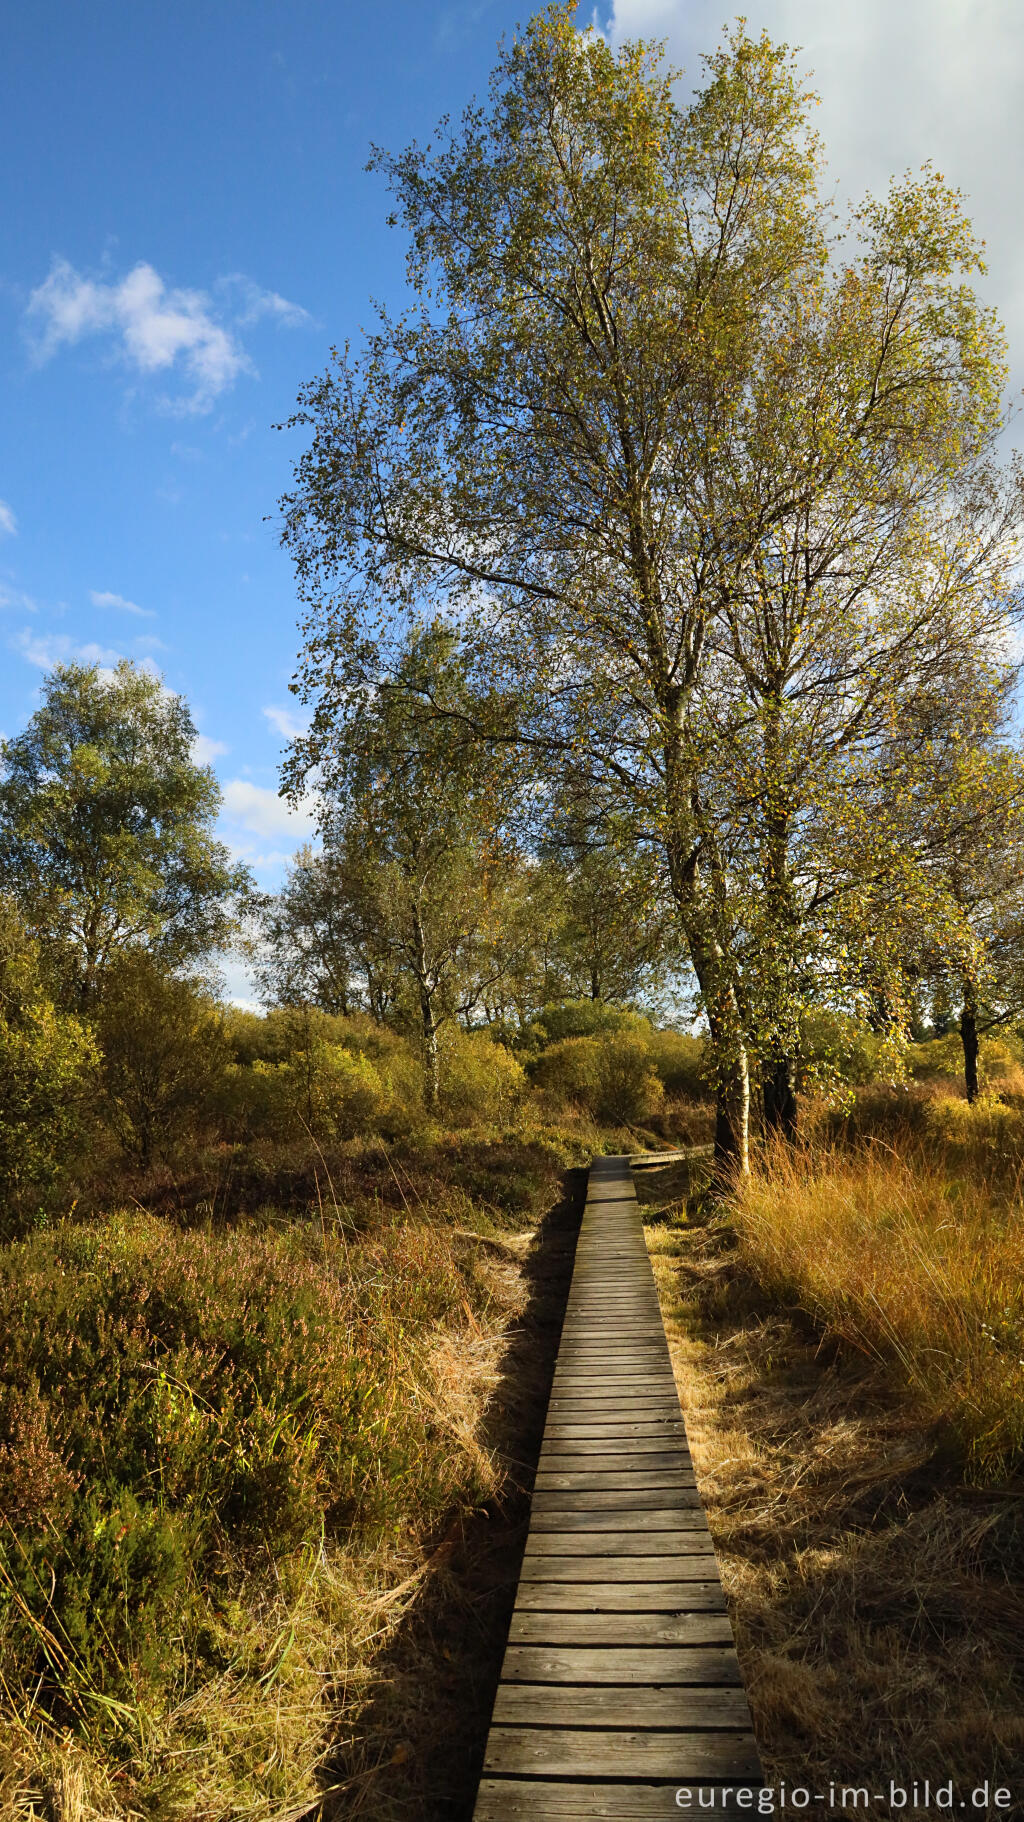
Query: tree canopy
[106, 827]
[705, 491]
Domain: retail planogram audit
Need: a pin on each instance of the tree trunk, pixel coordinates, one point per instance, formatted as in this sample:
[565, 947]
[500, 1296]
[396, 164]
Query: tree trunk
[778, 1083]
[969, 1039]
[433, 1059]
[731, 1159]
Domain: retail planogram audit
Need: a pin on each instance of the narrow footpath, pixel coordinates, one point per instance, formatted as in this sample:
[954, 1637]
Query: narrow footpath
[620, 1686]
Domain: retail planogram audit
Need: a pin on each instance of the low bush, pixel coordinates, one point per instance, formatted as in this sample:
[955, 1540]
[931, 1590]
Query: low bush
[678, 1061]
[610, 1078]
[176, 1405]
[163, 1057]
[481, 1081]
[47, 1071]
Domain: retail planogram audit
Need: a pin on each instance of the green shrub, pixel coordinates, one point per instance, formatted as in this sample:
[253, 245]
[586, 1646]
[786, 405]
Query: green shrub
[630, 1092]
[611, 1078]
[587, 1018]
[47, 1065]
[481, 1081]
[678, 1060]
[836, 1049]
[163, 1056]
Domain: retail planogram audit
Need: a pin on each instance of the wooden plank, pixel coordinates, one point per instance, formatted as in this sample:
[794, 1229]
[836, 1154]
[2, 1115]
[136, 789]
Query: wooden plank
[624, 1475]
[583, 1518]
[617, 1568]
[674, 1596]
[557, 1752]
[617, 1499]
[535, 1800]
[563, 1628]
[618, 1543]
[601, 1429]
[703, 1665]
[614, 1706]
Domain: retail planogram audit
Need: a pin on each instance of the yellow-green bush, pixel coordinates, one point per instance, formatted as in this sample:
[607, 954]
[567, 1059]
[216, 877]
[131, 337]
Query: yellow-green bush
[610, 1078]
[481, 1081]
[163, 1055]
[678, 1061]
[47, 1065]
[997, 1059]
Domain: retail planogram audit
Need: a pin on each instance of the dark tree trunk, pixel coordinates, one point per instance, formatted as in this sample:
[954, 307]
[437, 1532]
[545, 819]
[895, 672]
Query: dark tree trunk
[969, 1040]
[778, 1085]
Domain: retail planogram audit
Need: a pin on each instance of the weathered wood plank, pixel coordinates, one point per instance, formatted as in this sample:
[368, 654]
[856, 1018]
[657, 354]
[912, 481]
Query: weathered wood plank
[584, 1518]
[624, 1474]
[618, 1543]
[614, 1706]
[668, 1596]
[703, 1665]
[617, 1568]
[568, 1752]
[562, 1628]
[618, 1499]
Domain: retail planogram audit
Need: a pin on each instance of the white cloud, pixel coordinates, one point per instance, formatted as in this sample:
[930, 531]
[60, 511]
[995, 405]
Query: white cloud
[47, 649]
[8, 522]
[253, 303]
[102, 597]
[287, 724]
[925, 79]
[154, 327]
[205, 750]
[262, 812]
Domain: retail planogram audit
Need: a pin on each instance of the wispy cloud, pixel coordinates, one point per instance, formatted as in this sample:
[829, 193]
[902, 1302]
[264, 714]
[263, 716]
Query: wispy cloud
[252, 304]
[8, 522]
[103, 597]
[47, 649]
[15, 597]
[289, 725]
[205, 750]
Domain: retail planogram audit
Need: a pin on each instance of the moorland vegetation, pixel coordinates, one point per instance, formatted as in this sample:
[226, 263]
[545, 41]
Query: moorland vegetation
[661, 592]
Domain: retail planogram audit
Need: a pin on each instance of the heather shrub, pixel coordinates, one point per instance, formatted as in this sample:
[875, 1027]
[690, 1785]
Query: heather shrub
[173, 1402]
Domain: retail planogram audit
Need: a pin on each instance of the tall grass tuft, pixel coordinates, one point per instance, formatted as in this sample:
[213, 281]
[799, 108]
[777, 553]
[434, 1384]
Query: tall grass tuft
[910, 1250]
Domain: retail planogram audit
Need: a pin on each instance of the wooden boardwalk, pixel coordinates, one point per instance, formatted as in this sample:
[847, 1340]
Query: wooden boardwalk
[620, 1682]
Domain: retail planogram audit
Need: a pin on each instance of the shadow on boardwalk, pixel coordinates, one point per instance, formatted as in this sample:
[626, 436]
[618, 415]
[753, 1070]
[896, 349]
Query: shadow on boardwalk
[422, 1735]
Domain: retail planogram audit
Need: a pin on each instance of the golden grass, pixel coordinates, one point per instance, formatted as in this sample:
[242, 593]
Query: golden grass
[876, 1600]
[915, 1268]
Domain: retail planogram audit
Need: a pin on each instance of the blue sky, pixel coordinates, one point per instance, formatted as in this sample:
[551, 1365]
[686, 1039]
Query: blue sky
[188, 228]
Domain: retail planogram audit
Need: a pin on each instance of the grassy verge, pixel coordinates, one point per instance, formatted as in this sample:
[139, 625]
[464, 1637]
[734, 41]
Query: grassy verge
[228, 1449]
[853, 1410]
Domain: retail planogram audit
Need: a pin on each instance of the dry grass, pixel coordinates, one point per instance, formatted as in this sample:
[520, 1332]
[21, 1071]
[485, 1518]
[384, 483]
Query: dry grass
[915, 1260]
[877, 1603]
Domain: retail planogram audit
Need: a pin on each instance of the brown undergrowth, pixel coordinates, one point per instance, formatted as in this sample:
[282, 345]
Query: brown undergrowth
[877, 1598]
